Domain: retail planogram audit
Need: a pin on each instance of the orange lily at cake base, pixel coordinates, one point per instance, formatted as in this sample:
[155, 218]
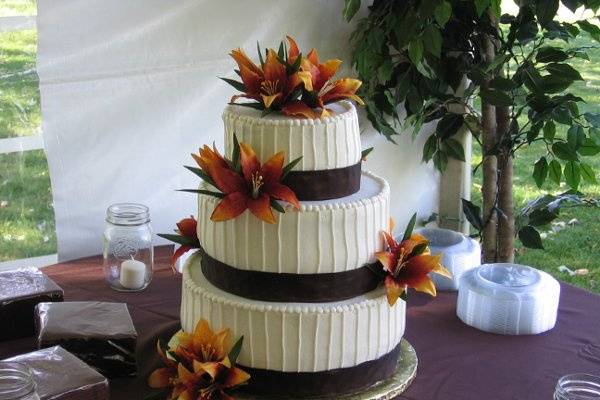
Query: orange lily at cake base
[199, 366]
[407, 264]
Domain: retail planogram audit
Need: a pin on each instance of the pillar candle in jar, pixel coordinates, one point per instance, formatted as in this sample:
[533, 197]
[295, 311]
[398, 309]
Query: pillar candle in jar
[133, 274]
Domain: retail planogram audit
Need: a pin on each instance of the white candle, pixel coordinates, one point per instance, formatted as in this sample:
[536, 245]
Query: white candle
[133, 274]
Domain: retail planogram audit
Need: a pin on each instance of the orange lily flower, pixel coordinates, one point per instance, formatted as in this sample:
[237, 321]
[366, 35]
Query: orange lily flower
[270, 85]
[323, 90]
[165, 376]
[185, 236]
[223, 376]
[252, 190]
[408, 264]
[204, 344]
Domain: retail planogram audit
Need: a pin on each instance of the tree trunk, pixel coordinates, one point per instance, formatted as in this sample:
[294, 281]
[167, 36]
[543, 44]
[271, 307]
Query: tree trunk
[506, 219]
[490, 168]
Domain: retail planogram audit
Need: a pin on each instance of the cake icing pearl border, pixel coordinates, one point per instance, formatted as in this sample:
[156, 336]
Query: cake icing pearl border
[327, 143]
[344, 233]
[307, 337]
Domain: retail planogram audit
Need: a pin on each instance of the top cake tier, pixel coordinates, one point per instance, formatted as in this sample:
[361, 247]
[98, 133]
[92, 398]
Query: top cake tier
[324, 144]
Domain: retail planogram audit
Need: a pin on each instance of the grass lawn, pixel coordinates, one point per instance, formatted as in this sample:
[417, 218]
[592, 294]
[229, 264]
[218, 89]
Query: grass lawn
[9, 8]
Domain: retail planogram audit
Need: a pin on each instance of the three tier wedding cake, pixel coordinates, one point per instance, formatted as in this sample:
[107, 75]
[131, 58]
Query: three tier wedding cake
[292, 258]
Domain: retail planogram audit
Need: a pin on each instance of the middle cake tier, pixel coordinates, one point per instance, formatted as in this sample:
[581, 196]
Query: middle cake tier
[323, 237]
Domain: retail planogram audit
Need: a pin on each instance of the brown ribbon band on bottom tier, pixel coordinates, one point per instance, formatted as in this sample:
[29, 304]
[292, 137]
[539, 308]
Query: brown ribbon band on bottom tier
[330, 383]
[324, 184]
[285, 287]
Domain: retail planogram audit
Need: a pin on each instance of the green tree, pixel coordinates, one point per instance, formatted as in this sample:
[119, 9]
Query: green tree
[434, 58]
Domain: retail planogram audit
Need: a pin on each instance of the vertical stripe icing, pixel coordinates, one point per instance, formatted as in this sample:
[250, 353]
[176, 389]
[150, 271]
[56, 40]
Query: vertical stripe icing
[335, 139]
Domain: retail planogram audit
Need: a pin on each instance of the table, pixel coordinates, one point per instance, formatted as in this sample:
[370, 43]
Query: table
[455, 360]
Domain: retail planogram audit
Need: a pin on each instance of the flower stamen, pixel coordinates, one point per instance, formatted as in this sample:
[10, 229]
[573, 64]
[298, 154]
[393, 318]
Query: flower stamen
[257, 182]
[270, 87]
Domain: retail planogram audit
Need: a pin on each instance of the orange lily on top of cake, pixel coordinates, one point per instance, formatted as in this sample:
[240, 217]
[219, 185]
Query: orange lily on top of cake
[287, 81]
[407, 264]
[244, 183]
[200, 365]
[185, 235]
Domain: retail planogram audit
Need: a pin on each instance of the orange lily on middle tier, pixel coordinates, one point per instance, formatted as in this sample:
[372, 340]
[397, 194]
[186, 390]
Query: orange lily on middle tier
[256, 187]
[408, 264]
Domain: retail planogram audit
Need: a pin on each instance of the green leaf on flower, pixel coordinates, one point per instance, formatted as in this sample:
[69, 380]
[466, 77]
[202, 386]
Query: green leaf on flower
[235, 350]
[202, 191]
[410, 227]
[260, 56]
[201, 174]
[237, 85]
[276, 206]
[365, 153]
[350, 9]
[288, 168]
[235, 155]
[183, 240]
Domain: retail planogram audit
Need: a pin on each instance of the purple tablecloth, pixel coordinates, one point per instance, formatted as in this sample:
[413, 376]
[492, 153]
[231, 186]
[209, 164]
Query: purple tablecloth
[455, 361]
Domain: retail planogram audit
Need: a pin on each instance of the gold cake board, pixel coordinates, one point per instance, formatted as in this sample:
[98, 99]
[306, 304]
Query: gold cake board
[384, 390]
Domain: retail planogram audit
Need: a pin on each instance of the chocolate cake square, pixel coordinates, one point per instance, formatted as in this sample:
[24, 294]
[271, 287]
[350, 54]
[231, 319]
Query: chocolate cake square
[101, 334]
[20, 291]
[60, 375]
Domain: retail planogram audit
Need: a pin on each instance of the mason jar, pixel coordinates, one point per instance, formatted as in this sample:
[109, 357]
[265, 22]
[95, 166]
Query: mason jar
[128, 252]
[578, 387]
[16, 382]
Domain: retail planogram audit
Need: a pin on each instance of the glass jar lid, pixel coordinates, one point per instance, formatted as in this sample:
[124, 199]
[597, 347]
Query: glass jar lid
[127, 214]
[578, 387]
[16, 381]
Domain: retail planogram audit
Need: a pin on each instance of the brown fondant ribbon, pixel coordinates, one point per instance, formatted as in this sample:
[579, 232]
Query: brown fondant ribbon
[286, 287]
[324, 184]
[330, 383]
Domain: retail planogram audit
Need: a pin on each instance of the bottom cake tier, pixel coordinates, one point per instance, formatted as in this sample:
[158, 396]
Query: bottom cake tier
[310, 349]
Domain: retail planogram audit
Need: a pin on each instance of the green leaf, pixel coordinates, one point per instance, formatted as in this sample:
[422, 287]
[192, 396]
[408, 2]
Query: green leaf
[235, 155]
[546, 10]
[365, 153]
[549, 131]
[432, 39]
[593, 119]
[288, 168]
[277, 207]
[502, 83]
[430, 147]
[481, 6]
[237, 85]
[183, 240]
[473, 214]
[590, 28]
[550, 54]
[440, 160]
[202, 191]
[564, 71]
[588, 174]
[572, 174]
[530, 237]
[575, 136]
[201, 174]
[564, 151]
[415, 50]
[588, 147]
[260, 56]
[442, 13]
[555, 171]
[350, 9]
[454, 149]
[449, 125]
[410, 227]
[540, 171]
[496, 97]
[235, 350]
[542, 216]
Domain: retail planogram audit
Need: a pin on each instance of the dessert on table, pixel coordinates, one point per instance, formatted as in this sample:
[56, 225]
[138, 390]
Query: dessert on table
[295, 252]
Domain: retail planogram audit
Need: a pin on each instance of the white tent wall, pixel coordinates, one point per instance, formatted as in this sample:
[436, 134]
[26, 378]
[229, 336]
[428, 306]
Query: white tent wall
[129, 89]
